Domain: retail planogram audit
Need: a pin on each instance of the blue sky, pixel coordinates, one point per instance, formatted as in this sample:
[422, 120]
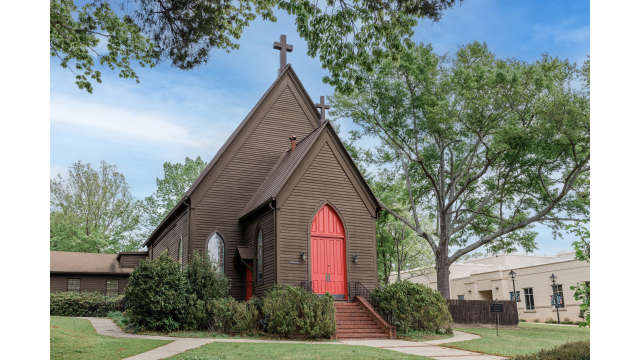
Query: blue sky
[172, 113]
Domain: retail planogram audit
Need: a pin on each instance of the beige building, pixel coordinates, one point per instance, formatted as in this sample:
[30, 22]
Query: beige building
[488, 279]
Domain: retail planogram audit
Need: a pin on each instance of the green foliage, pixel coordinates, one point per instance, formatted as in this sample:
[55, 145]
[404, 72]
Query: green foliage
[291, 311]
[569, 351]
[582, 291]
[413, 306]
[348, 35]
[342, 34]
[156, 296]
[398, 247]
[487, 147]
[231, 316]
[77, 33]
[177, 179]
[75, 303]
[92, 210]
[204, 281]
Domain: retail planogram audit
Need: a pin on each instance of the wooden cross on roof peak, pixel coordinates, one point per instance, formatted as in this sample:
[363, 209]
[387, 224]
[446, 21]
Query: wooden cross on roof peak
[322, 106]
[284, 48]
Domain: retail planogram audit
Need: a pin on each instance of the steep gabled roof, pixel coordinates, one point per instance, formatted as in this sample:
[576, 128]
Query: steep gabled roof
[281, 172]
[289, 162]
[287, 71]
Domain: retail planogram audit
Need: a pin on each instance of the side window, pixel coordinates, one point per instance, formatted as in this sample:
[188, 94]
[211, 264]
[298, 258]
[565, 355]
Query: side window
[180, 251]
[557, 290]
[460, 297]
[73, 284]
[112, 287]
[215, 249]
[528, 299]
[260, 256]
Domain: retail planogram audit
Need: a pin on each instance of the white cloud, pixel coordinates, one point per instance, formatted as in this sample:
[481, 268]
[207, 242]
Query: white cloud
[122, 121]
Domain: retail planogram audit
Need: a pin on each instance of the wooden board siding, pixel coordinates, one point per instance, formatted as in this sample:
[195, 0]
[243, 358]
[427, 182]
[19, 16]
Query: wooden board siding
[218, 202]
[131, 261]
[266, 222]
[95, 283]
[170, 238]
[324, 179]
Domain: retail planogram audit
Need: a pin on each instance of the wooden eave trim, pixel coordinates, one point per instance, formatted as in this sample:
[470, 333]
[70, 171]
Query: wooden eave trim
[167, 227]
[72, 273]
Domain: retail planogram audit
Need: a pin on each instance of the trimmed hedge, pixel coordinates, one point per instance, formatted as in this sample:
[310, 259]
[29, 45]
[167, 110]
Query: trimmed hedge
[569, 351]
[74, 303]
[292, 311]
[204, 282]
[412, 306]
[231, 316]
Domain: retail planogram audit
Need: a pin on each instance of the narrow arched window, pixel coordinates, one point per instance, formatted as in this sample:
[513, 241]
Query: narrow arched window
[215, 249]
[180, 251]
[259, 256]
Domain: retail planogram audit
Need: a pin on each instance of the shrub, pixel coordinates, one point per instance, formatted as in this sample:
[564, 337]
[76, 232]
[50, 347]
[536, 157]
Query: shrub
[156, 296]
[293, 311]
[536, 320]
[204, 282]
[550, 321]
[523, 320]
[568, 351]
[231, 316]
[413, 306]
[75, 303]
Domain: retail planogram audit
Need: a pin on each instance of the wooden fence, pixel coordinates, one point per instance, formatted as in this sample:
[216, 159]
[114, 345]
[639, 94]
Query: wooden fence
[479, 312]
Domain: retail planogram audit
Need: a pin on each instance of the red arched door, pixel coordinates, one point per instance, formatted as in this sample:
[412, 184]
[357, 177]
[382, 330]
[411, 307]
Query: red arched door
[328, 254]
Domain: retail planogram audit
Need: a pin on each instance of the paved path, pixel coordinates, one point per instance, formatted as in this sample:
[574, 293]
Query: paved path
[429, 348]
[107, 327]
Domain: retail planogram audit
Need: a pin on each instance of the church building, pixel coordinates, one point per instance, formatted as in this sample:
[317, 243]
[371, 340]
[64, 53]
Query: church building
[282, 202]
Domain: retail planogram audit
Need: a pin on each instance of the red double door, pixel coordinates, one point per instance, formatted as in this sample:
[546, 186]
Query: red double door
[328, 254]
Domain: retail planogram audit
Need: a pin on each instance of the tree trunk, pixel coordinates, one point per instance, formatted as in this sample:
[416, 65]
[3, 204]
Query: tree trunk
[442, 273]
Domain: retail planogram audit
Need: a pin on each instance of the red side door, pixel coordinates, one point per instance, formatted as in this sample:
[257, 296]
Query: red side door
[249, 282]
[328, 254]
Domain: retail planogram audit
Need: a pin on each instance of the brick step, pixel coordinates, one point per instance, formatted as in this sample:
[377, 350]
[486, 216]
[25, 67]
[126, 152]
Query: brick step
[361, 336]
[360, 330]
[358, 326]
[356, 322]
[353, 316]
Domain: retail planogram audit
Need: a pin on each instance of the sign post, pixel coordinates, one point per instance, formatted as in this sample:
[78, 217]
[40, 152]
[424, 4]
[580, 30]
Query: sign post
[497, 308]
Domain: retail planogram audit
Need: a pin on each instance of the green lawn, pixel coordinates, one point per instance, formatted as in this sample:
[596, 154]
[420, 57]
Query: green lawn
[526, 339]
[233, 351]
[73, 338]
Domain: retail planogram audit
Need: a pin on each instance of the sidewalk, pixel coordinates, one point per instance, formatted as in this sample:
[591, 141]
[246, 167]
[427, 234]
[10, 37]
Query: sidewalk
[107, 327]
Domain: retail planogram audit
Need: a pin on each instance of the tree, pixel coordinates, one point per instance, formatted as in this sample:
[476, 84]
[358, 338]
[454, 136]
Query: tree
[398, 247]
[488, 147]
[582, 246]
[92, 210]
[177, 179]
[184, 31]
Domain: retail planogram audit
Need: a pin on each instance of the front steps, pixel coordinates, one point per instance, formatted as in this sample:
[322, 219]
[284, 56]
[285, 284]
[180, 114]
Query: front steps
[358, 320]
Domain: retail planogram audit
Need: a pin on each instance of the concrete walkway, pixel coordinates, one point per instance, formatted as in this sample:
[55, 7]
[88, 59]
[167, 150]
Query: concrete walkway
[107, 327]
[429, 348]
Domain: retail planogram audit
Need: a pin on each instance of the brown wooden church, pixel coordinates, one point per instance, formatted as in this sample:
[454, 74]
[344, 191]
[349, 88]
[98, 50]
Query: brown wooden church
[282, 202]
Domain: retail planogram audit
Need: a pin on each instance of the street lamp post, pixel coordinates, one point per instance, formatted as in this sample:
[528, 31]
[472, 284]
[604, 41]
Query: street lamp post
[513, 280]
[555, 297]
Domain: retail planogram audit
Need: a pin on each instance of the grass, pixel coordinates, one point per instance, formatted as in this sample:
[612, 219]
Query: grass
[526, 339]
[73, 338]
[233, 351]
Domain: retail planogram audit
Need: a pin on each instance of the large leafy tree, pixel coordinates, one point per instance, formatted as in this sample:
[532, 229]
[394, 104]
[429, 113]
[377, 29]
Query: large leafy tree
[92, 210]
[176, 180]
[399, 248]
[118, 33]
[487, 147]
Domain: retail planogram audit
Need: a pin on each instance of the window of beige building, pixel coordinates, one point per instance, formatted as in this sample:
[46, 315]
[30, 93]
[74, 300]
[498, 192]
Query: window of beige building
[73, 284]
[557, 289]
[460, 297]
[112, 287]
[528, 299]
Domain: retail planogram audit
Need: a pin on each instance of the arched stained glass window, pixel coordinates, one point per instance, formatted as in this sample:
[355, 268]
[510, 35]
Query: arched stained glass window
[215, 249]
[260, 255]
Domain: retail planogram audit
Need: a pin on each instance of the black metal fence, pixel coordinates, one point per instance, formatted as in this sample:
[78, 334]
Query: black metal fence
[479, 312]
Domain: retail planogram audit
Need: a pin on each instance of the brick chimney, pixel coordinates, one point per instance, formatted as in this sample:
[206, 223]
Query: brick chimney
[292, 138]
